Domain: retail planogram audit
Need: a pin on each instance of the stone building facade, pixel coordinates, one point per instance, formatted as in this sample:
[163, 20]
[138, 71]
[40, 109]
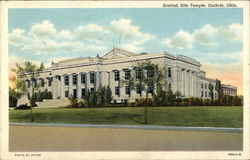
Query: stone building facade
[76, 76]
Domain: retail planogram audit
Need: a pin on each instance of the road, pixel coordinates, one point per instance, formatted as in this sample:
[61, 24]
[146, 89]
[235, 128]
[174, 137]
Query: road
[51, 138]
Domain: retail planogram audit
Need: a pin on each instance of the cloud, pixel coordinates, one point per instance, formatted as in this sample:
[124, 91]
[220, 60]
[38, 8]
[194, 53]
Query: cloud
[16, 37]
[91, 31]
[125, 29]
[43, 30]
[232, 32]
[52, 46]
[66, 34]
[181, 40]
[131, 47]
[207, 35]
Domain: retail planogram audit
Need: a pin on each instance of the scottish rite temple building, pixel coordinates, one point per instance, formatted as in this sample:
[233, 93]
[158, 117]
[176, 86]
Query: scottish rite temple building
[76, 76]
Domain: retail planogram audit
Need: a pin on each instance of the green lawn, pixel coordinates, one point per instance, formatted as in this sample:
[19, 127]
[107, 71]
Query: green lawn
[203, 116]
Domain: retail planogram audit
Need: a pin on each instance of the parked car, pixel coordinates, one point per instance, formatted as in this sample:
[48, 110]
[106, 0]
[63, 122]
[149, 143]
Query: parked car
[22, 106]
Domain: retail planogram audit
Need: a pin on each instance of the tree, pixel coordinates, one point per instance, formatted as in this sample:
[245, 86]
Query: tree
[101, 95]
[170, 97]
[28, 71]
[108, 95]
[13, 97]
[160, 98]
[148, 77]
[211, 91]
[218, 89]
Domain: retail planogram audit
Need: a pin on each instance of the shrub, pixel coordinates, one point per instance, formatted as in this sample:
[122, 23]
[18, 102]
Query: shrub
[39, 96]
[81, 104]
[33, 100]
[143, 102]
[73, 101]
[131, 104]
[185, 102]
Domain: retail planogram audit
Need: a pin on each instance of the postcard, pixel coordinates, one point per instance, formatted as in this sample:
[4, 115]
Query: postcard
[125, 80]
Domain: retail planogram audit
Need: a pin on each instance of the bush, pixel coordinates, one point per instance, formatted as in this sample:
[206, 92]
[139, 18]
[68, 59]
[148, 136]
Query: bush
[185, 102]
[131, 104]
[81, 104]
[39, 96]
[142, 102]
[33, 101]
[73, 101]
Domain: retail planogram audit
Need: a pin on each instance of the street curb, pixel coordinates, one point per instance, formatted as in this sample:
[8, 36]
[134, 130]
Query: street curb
[202, 129]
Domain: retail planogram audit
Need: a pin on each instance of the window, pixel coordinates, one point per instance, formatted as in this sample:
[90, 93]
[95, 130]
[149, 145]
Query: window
[42, 82]
[201, 85]
[126, 101]
[83, 92]
[205, 86]
[92, 77]
[205, 93]
[138, 73]
[66, 80]
[28, 84]
[169, 86]
[92, 90]
[151, 89]
[215, 95]
[117, 91]
[35, 83]
[127, 74]
[74, 79]
[150, 73]
[74, 93]
[138, 89]
[66, 93]
[169, 72]
[83, 78]
[127, 90]
[202, 94]
[50, 81]
[117, 75]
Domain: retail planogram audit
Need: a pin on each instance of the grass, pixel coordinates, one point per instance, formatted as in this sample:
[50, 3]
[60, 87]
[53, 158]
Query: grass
[203, 116]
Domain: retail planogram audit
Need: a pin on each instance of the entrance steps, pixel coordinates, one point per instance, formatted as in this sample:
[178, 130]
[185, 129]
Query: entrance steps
[53, 103]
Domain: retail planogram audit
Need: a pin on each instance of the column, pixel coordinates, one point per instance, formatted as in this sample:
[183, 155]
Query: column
[62, 87]
[70, 85]
[87, 81]
[54, 87]
[174, 79]
[188, 83]
[122, 87]
[183, 82]
[132, 74]
[192, 84]
[101, 78]
[97, 79]
[78, 86]
[198, 85]
[111, 82]
[179, 88]
[31, 87]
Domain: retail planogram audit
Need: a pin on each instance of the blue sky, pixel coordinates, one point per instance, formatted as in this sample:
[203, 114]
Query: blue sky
[211, 35]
